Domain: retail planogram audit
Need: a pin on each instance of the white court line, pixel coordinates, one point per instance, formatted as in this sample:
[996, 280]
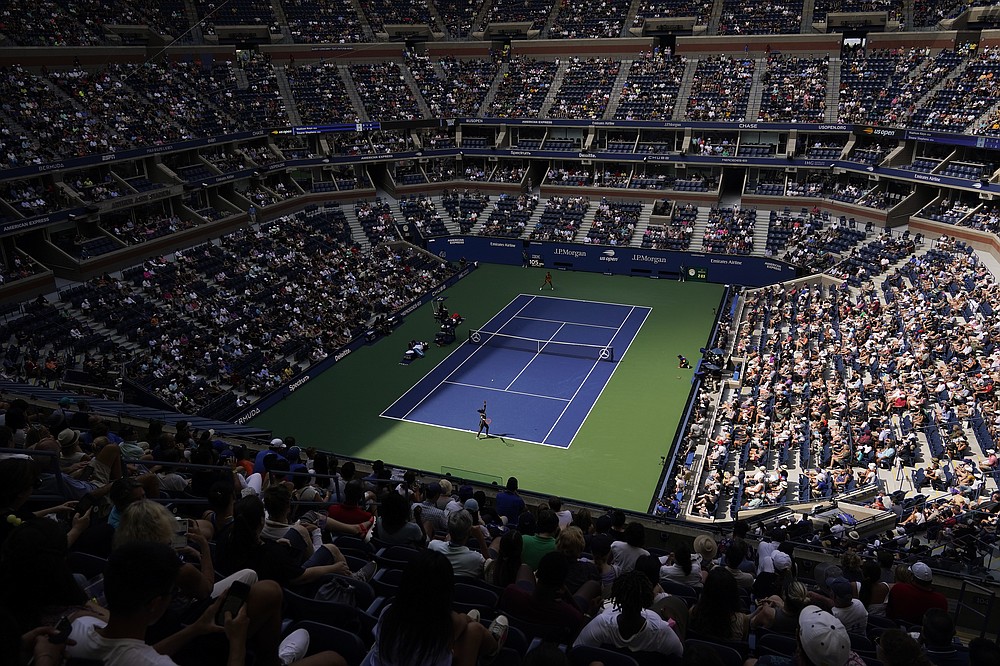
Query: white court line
[490, 388]
[614, 370]
[466, 360]
[458, 348]
[571, 323]
[583, 300]
[497, 436]
[535, 356]
[584, 382]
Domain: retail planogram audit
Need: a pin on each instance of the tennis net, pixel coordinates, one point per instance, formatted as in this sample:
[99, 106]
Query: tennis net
[536, 346]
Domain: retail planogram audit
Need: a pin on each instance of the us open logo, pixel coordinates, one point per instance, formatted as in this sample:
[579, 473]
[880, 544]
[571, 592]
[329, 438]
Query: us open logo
[608, 255]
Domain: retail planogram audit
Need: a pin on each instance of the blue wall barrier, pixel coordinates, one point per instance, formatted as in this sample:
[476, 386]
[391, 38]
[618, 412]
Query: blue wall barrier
[720, 268]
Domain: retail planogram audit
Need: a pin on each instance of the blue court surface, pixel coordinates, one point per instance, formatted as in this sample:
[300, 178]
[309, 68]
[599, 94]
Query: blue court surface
[541, 363]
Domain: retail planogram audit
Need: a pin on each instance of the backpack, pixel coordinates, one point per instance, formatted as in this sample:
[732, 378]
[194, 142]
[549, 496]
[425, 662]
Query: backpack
[337, 590]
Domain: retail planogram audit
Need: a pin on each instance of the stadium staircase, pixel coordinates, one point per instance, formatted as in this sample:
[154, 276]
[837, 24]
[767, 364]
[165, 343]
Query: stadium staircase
[352, 92]
[536, 216]
[357, 232]
[700, 224]
[450, 224]
[684, 92]
[616, 89]
[415, 90]
[484, 11]
[808, 8]
[586, 223]
[438, 70]
[714, 18]
[438, 28]
[366, 27]
[630, 19]
[756, 90]
[946, 80]
[645, 215]
[760, 231]
[279, 15]
[833, 90]
[492, 92]
[294, 118]
[242, 82]
[557, 82]
[192, 18]
[550, 21]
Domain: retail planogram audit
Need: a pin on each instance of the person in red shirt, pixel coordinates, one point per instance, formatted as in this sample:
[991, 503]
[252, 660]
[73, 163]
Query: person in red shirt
[349, 511]
[909, 601]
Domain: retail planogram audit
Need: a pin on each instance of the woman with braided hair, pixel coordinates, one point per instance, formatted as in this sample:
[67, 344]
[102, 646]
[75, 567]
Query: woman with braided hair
[630, 623]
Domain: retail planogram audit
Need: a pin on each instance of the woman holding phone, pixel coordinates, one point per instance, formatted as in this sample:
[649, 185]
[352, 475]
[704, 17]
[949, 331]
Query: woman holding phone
[149, 521]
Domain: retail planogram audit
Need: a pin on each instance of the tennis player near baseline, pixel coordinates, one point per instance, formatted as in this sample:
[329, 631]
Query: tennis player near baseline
[548, 281]
[484, 422]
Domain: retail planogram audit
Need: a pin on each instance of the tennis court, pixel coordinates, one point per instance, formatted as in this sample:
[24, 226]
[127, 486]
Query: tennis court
[540, 364]
[615, 458]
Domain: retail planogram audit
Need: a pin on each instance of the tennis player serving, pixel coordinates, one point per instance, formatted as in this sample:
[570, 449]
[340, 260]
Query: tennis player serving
[484, 422]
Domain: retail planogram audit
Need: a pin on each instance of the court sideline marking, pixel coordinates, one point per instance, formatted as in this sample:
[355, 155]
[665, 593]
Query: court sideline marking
[584, 382]
[464, 361]
[635, 335]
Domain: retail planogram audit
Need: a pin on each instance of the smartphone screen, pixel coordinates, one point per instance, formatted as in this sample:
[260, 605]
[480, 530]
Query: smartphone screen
[84, 504]
[236, 596]
[180, 539]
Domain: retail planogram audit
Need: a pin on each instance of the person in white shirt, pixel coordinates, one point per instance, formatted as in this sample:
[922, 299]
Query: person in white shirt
[846, 608]
[630, 623]
[138, 585]
[464, 561]
[625, 553]
[564, 515]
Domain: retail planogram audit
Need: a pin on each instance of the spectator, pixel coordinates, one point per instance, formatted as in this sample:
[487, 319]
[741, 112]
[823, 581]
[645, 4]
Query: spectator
[349, 511]
[983, 652]
[735, 556]
[464, 561]
[848, 609]
[243, 548]
[680, 566]
[542, 541]
[937, 635]
[547, 603]
[138, 585]
[393, 525]
[781, 613]
[430, 515]
[624, 553]
[570, 543]
[630, 623]
[909, 601]
[36, 582]
[419, 626]
[895, 647]
[565, 516]
[509, 504]
[717, 614]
